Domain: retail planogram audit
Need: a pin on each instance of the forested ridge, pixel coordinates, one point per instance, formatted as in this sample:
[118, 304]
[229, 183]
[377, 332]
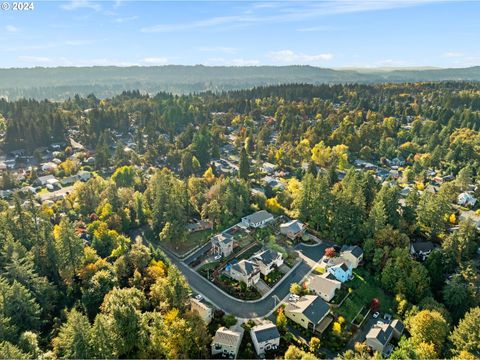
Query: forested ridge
[77, 283]
[107, 81]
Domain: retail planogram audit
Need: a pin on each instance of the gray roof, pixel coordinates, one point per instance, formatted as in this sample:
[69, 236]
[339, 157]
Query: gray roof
[266, 257]
[259, 216]
[222, 238]
[245, 267]
[312, 306]
[423, 246]
[382, 333]
[294, 226]
[354, 249]
[397, 325]
[265, 332]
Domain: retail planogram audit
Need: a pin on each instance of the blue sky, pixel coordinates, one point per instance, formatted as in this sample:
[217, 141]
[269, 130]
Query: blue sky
[334, 34]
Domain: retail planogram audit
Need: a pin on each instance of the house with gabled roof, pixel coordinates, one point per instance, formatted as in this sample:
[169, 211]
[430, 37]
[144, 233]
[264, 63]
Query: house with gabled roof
[324, 286]
[246, 271]
[267, 260]
[257, 219]
[292, 229]
[265, 337]
[380, 334]
[202, 309]
[222, 244]
[352, 253]
[311, 312]
[226, 342]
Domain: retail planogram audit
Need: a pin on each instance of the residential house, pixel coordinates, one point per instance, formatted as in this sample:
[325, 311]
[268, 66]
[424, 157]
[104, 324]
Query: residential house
[470, 215]
[273, 182]
[466, 199]
[267, 261]
[265, 337]
[49, 167]
[421, 249]
[203, 310]
[292, 229]
[222, 244]
[246, 271]
[380, 335]
[310, 312]
[353, 254]
[257, 219]
[324, 286]
[342, 271]
[268, 167]
[226, 342]
[47, 179]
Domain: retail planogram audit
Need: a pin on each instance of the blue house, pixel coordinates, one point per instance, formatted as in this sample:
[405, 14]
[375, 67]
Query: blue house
[340, 268]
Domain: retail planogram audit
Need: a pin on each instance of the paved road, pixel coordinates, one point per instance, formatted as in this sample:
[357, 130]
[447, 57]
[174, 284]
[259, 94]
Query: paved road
[248, 309]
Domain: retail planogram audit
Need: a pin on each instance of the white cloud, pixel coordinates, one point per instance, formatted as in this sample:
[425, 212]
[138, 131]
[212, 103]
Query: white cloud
[155, 60]
[287, 12]
[81, 4]
[11, 29]
[452, 54]
[291, 57]
[35, 59]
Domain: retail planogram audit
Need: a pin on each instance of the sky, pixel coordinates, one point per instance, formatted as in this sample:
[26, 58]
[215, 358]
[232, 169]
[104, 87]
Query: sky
[332, 34]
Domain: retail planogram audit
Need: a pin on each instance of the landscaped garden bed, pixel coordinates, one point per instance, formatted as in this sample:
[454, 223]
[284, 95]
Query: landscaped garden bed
[236, 289]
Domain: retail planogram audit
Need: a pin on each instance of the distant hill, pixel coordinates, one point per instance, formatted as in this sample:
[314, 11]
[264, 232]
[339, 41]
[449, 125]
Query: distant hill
[104, 81]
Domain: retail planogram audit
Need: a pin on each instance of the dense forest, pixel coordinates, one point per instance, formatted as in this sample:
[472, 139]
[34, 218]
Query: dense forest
[77, 283]
[64, 82]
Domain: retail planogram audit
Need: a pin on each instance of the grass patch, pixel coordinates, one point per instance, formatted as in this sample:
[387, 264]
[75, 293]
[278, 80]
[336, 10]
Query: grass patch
[364, 289]
[191, 241]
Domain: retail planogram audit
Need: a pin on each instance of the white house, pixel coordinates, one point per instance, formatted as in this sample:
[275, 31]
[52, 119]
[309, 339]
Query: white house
[380, 335]
[265, 337]
[226, 342]
[257, 219]
[203, 310]
[49, 167]
[292, 229]
[222, 244]
[466, 199]
[267, 261]
[269, 168]
[324, 285]
[47, 179]
[353, 254]
[246, 271]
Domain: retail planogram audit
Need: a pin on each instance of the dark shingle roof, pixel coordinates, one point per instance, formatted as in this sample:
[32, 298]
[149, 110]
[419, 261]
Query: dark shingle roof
[266, 332]
[423, 246]
[245, 267]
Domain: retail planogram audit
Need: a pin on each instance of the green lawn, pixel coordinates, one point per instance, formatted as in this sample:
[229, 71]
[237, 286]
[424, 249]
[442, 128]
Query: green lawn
[191, 240]
[365, 288]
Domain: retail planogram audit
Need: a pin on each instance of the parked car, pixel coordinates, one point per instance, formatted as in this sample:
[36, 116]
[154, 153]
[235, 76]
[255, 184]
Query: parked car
[217, 257]
[376, 314]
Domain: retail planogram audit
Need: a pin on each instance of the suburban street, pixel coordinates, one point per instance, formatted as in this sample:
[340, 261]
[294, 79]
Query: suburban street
[255, 308]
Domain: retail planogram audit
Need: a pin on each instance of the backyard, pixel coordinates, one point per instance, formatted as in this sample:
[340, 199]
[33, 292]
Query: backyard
[364, 289]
